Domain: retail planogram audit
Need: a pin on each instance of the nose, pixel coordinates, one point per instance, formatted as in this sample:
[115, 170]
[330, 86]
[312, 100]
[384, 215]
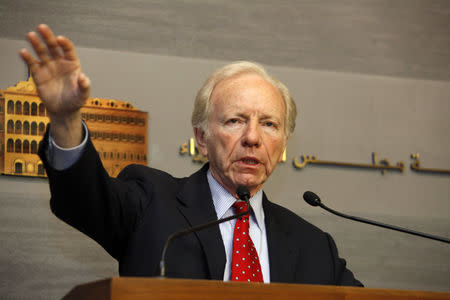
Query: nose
[252, 135]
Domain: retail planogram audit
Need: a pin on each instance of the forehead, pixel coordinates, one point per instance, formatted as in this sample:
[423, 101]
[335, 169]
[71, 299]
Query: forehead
[247, 90]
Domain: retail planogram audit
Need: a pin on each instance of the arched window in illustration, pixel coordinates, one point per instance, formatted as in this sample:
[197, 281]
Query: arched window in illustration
[18, 128]
[10, 145]
[18, 108]
[41, 109]
[131, 156]
[33, 128]
[111, 155]
[41, 170]
[18, 146]
[18, 167]
[33, 109]
[33, 147]
[26, 108]
[26, 146]
[138, 156]
[10, 108]
[41, 128]
[10, 126]
[26, 127]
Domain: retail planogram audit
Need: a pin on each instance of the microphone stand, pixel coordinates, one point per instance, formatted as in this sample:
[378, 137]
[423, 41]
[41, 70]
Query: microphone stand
[313, 200]
[393, 227]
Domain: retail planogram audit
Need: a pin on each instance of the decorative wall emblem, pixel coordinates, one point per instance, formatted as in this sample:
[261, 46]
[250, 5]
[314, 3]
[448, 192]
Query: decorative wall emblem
[118, 131]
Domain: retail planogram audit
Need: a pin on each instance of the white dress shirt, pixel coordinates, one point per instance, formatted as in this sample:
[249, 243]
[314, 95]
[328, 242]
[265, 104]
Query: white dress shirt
[223, 202]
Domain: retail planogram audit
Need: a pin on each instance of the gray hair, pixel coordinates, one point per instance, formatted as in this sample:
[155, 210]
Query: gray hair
[203, 99]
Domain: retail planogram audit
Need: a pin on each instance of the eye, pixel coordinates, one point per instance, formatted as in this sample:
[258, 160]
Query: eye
[270, 124]
[232, 121]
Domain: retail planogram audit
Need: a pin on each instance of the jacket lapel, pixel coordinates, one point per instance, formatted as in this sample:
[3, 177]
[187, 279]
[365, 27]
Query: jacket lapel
[197, 207]
[283, 253]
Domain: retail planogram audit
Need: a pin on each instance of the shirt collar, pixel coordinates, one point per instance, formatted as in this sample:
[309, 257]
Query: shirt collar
[223, 200]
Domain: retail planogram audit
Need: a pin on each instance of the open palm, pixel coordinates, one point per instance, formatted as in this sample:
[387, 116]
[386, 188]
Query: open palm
[61, 85]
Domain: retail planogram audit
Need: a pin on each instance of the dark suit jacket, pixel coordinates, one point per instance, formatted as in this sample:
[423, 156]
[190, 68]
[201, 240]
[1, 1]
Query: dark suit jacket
[132, 216]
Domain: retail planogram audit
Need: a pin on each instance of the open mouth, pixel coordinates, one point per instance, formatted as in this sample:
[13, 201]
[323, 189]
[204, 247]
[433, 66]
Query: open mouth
[250, 161]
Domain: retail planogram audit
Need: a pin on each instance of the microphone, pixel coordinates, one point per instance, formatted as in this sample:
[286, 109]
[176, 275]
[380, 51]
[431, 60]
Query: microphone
[243, 194]
[314, 200]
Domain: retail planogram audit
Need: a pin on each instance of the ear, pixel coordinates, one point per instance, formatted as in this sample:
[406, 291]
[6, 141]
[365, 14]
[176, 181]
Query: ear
[280, 159]
[200, 137]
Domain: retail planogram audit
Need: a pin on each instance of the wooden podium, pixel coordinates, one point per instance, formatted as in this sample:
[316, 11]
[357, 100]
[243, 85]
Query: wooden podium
[134, 288]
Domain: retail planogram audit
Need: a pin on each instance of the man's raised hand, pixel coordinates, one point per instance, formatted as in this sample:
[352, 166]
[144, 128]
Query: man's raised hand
[61, 85]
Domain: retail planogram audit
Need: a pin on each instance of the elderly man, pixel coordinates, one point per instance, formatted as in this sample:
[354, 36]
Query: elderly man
[242, 120]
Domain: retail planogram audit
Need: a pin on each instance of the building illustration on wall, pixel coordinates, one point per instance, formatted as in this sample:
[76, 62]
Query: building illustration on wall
[118, 131]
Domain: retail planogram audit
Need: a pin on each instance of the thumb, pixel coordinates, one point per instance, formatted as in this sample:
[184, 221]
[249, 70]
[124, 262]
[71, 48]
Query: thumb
[85, 85]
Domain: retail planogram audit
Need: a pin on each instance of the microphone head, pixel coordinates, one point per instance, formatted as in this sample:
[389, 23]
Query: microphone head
[311, 198]
[243, 193]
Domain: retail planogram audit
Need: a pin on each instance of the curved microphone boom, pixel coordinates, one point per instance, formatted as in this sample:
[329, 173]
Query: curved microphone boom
[314, 200]
[243, 194]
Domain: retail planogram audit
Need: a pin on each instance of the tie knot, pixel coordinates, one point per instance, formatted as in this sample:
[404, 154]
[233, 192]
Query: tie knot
[240, 206]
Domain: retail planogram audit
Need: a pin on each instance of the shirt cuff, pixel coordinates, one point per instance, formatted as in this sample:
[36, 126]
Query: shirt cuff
[63, 158]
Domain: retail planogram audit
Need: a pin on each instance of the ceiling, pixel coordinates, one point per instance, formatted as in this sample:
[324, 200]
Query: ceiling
[402, 38]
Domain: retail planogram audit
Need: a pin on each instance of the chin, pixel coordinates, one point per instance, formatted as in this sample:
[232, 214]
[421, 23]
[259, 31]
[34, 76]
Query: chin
[250, 182]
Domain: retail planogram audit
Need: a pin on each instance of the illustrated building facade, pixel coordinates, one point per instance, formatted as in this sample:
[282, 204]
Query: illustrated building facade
[117, 129]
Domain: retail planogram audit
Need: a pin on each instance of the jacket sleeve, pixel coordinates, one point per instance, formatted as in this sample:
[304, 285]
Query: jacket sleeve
[84, 196]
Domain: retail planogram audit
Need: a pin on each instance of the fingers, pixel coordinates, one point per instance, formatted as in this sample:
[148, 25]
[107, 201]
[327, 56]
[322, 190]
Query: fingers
[50, 40]
[39, 48]
[28, 58]
[50, 47]
[68, 47]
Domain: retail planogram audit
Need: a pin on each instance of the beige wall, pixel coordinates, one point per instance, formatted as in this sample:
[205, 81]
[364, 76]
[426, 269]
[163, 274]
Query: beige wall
[342, 117]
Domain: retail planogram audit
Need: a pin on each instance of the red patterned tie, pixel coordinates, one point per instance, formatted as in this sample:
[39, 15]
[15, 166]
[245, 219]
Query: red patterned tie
[245, 262]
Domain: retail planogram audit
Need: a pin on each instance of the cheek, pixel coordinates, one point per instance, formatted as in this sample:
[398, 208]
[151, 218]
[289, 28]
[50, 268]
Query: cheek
[217, 150]
[225, 142]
